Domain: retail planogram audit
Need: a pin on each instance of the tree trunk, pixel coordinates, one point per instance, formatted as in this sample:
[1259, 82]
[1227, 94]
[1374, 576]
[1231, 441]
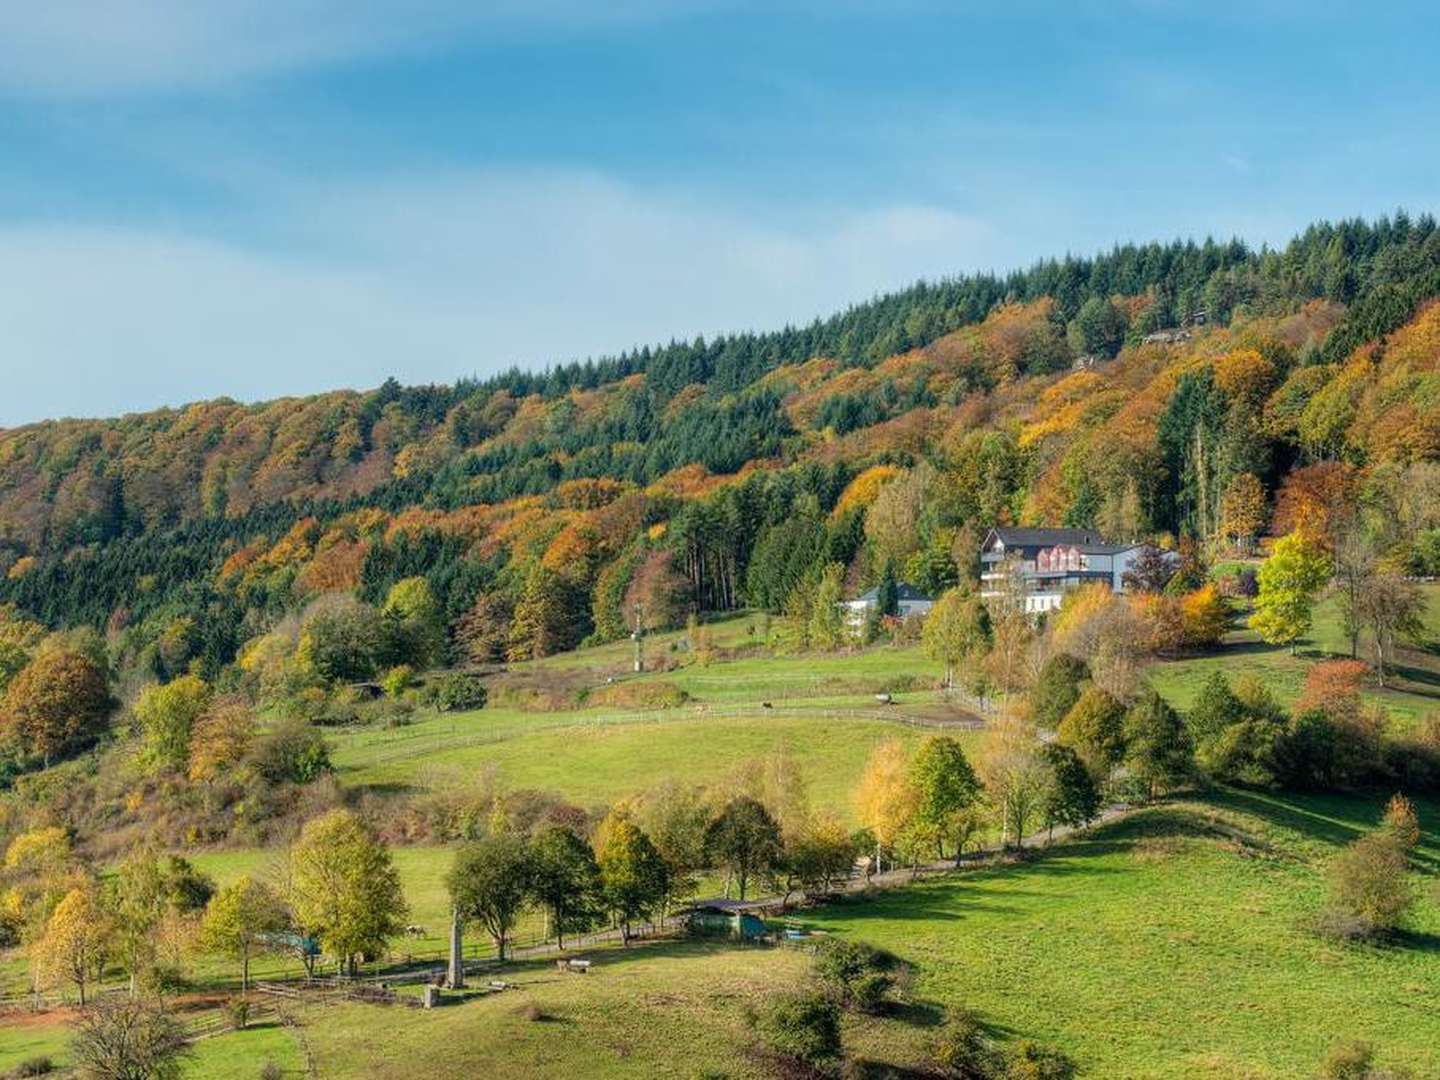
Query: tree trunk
[245, 972]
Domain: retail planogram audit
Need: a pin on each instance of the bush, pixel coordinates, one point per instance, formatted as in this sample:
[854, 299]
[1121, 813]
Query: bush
[962, 1049]
[237, 1011]
[804, 1027]
[397, 680]
[1401, 822]
[454, 692]
[853, 973]
[1029, 1060]
[1370, 882]
[271, 1071]
[35, 1066]
[296, 753]
[1347, 1061]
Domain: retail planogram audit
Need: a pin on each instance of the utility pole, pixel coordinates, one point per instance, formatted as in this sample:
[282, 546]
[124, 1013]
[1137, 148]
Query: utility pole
[639, 637]
[455, 976]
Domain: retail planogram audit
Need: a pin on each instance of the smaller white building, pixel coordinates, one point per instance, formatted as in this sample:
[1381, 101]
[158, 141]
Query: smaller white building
[908, 601]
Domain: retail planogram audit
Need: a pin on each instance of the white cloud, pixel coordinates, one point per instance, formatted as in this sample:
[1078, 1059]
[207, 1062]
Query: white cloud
[429, 279]
[90, 47]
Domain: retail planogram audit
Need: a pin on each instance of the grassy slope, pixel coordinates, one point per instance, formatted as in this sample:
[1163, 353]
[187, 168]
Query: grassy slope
[1416, 691]
[1172, 944]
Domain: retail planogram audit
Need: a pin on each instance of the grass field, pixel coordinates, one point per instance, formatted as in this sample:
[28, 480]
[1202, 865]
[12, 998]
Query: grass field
[1416, 689]
[1164, 945]
[1174, 943]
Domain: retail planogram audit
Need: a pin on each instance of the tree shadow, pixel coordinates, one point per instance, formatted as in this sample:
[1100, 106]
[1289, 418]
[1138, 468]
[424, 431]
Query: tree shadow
[919, 1014]
[1420, 941]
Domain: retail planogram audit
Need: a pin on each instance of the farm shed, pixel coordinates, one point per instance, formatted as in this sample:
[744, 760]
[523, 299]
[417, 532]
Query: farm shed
[727, 918]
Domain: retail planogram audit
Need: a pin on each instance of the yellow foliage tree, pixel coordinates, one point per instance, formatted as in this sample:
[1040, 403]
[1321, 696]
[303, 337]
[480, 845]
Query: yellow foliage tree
[1205, 617]
[886, 798]
[72, 949]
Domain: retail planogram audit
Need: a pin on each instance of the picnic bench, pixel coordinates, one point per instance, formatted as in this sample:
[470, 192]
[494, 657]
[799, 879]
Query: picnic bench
[574, 967]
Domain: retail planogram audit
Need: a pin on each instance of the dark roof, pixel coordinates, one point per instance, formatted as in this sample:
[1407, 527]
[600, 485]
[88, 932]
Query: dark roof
[1016, 537]
[903, 591]
[730, 906]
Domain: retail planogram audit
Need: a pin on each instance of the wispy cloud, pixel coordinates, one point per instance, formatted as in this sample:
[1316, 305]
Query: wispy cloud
[92, 47]
[430, 278]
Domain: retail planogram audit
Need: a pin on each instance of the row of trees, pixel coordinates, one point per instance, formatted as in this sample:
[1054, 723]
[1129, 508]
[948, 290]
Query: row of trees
[340, 895]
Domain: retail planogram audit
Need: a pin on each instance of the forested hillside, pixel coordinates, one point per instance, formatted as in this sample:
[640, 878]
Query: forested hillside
[1209, 391]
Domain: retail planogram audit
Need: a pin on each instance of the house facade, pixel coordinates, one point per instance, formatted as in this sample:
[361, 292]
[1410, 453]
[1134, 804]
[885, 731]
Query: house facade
[908, 601]
[1051, 562]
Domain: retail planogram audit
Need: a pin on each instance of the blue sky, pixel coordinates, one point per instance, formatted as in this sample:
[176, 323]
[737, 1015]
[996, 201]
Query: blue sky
[253, 198]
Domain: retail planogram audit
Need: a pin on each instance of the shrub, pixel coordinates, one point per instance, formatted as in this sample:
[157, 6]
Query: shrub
[237, 1011]
[296, 753]
[455, 692]
[804, 1027]
[638, 695]
[1029, 1060]
[855, 974]
[1348, 1061]
[1401, 822]
[35, 1066]
[397, 680]
[962, 1049]
[271, 1071]
[1370, 882]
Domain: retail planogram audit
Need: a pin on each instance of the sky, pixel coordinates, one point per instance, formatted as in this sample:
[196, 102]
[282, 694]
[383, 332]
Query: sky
[257, 198]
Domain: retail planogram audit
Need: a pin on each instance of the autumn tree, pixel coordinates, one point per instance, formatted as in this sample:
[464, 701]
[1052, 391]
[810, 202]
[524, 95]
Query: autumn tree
[1392, 609]
[415, 623]
[827, 617]
[946, 788]
[221, 737]
[565, 881]
[1095, 729]
[483, 632]
[56, 704]
[490, 884]
[1014, 772]
[745, 840]
[1401, 822]
[634, 880]
[1242, 511]
[130, 1039]
[341, 639]
[674, 816]
[1204, 617]
[241, 920]
[149, 895]
[343, 887]
[1151, 571]
[1370, 883]
[957, 630]
[72, 949]
[550, 616]
[886, 798]
[1289, 582]
[166, 715]
[819, 853]
[892, 522]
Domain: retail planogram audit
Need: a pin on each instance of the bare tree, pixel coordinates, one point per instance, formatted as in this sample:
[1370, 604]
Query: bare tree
[123, 1038]
[1392, 609]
